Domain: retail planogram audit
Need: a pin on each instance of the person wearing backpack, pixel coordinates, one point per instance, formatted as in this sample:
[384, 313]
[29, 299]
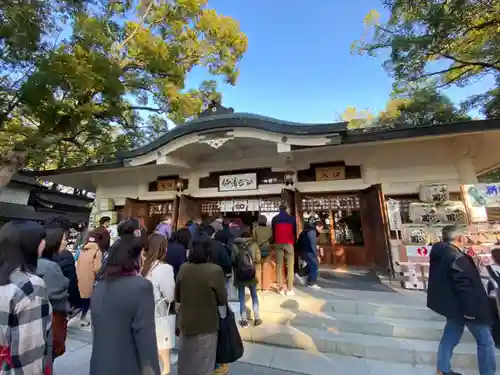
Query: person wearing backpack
[246, 262]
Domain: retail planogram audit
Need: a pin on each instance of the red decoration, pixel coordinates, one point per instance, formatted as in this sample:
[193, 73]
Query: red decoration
[471, 252]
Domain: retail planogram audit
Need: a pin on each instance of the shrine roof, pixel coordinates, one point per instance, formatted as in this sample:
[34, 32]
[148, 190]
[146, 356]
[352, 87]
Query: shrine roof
[226, 119]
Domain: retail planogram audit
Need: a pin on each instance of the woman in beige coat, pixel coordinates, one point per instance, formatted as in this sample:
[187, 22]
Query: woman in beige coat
[88, 265]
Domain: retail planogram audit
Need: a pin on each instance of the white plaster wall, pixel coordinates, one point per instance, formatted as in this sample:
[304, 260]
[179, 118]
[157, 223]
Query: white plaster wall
[400, 167]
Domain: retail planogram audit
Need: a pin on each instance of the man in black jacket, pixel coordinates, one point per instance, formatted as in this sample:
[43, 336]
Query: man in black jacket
[456, 291]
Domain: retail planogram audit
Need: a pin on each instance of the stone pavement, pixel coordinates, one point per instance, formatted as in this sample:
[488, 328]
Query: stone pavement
[258, 359]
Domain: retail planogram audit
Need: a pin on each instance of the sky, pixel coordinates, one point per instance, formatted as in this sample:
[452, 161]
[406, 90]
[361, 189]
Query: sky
[299, 67]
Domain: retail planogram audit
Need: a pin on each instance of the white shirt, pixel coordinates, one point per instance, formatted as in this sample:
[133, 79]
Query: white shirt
[161, 276]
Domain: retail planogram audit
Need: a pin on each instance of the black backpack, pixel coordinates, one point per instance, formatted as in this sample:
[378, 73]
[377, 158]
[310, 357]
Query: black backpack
[245, 266]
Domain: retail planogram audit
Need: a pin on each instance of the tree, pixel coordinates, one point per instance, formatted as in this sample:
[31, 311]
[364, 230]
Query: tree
[420, 106]
[85, 78]
[414, 107]
[453, 41]
[357, 118]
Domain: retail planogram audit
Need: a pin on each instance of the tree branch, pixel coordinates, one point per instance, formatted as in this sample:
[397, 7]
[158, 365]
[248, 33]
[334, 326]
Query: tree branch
[150, 109]
[484, 65]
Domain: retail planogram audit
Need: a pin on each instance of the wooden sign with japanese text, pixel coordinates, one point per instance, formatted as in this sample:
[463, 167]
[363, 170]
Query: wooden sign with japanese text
[166, 185]
[235, 182]
[330, 173]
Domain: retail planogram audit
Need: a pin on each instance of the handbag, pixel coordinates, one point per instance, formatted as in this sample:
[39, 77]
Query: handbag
[165, 324]
[229, 343]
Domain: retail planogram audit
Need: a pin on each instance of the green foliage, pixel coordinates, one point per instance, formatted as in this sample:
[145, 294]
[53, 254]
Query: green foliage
[418, 106]
[83, 79]
[453, 41]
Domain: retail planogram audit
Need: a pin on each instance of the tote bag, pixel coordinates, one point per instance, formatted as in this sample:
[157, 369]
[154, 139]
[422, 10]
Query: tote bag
[229, 344]
[165, 325]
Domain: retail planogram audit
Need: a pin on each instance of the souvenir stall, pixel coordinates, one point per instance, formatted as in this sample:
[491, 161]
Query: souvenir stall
[417, 225]
[438, 208]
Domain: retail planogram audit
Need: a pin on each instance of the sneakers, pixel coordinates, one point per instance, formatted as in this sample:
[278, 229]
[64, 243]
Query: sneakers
[299, 279]
[314, 286]
[257, 322]
[290, 293]
[282, 292]
[243, 323]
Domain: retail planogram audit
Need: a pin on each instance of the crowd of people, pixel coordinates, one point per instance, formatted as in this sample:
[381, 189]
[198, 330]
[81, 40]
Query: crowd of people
[173, 308]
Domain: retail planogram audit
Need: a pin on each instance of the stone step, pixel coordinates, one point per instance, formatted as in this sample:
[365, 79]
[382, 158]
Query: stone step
[404, 309]
[413, 351]
[351, 323]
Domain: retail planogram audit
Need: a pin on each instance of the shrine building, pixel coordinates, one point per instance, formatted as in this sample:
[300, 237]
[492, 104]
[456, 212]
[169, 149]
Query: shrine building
[244, 165]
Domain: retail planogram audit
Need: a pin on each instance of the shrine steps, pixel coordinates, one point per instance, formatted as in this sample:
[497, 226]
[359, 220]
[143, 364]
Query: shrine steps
[382, 326]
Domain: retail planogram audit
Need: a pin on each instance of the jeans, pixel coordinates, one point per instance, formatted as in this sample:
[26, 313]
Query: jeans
[284, 253]
[312, 265]
[85, 305]
[452, 334]
[255, 301]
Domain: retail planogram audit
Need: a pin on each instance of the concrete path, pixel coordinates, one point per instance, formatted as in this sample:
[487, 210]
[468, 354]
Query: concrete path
[258, 359]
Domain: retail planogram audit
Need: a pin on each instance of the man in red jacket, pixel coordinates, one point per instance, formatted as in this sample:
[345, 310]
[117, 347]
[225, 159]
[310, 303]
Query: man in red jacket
[284, 228]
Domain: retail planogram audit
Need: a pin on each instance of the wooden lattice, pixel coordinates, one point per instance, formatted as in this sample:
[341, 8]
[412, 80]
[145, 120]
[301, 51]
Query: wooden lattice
[326, 203]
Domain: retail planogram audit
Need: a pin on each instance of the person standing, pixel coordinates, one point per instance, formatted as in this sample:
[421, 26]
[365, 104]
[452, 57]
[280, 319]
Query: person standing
[57, 287]
[308, 251]
[88, 265]
[104, 223]
[161, 275]
[284, 227]
[24, 299]
[165, 227]
[262, 234]
[455, 291]
[246, 260]
[178, 248]
[123, 313]
[201, 294]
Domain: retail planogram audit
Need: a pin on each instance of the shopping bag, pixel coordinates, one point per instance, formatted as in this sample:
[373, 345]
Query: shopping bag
[229, 343]
[165, 325]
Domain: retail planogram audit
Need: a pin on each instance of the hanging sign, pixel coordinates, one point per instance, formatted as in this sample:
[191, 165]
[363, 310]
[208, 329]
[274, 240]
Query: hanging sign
[482, 195]
[166, 185]
[420, 251]
[236, 182]
[240, 206]
[394, 214]
[330, 173]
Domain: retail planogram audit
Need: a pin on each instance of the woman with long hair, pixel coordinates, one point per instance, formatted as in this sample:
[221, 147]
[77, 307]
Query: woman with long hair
[24, 298]
[122, 312]
[161, 275]
[200, 291]
[57, 287]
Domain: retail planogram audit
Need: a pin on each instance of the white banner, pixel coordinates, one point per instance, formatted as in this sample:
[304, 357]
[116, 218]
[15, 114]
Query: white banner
[394, 214]
[247, 181]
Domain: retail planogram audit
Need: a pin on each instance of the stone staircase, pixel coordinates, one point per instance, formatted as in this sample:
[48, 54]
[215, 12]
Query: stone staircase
[393, 327]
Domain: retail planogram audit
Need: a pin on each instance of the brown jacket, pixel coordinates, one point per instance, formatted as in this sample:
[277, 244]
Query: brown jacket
[88, 264]
[200, 289]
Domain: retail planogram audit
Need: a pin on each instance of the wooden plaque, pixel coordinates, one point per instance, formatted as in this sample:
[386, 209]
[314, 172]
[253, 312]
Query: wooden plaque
[166, 185]
[330, 173]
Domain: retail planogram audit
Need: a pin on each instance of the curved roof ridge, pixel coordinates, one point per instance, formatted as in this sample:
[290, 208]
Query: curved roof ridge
[235, 120]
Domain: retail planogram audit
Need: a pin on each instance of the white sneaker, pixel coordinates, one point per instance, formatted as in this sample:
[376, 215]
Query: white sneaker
[314, 286]
[299, 279]
[290, 293]
[282, 292]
